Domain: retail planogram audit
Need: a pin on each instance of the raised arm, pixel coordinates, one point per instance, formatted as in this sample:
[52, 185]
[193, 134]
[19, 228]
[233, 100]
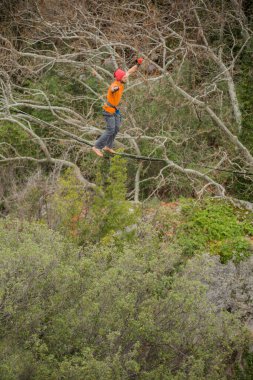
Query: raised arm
[121, 75]
[135, 67]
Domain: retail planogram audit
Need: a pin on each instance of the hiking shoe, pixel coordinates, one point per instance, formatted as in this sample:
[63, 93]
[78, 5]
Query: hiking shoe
[107, 149]
[97, 151]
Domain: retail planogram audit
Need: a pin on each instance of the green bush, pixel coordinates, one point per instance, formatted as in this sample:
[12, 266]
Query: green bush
[14, 137]
[245, 373]
[104, 313]
[67, 204]
[236, 249]
[111, 214]
[217, 227]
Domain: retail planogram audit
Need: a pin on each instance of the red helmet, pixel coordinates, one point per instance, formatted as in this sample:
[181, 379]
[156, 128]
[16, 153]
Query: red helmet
[119, 74]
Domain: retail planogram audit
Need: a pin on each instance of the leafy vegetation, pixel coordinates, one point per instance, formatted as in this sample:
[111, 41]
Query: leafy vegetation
[86, 218]
[216, 227]
[105, 313]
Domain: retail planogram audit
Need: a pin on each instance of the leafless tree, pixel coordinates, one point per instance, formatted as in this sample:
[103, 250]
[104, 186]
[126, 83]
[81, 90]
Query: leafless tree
[90, 39]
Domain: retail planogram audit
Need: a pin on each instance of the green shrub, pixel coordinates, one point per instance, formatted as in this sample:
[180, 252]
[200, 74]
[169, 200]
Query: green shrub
[214, 226]
[13, 135]
[86, 217]
[110, 214]
[67, 204]
[245, 372]
[105, 314]
[236, 249]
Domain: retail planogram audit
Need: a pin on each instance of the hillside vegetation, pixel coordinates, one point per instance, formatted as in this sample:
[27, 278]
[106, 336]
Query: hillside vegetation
[138, 265]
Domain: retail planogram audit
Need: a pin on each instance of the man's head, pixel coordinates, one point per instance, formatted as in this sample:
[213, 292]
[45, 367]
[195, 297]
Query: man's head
[120, 75]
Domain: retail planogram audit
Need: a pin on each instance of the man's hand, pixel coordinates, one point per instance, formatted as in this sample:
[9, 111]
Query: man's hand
[139, 61]
[115, 88]
[135, 67]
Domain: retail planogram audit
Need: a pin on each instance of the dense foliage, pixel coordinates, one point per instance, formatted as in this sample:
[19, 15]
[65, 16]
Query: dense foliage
[217, 228]
[105, 313]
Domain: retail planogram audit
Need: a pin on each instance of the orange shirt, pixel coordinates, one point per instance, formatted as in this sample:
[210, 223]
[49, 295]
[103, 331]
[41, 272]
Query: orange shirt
[114, 97]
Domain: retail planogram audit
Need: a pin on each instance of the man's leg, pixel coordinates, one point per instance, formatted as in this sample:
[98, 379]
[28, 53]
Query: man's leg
[107, 137]
[117, 125]
[108, 147]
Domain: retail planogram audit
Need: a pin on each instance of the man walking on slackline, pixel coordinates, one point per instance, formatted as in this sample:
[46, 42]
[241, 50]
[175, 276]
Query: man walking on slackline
[111, 112]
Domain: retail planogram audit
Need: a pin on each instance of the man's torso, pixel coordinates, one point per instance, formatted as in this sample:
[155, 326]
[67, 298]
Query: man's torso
[113, 97]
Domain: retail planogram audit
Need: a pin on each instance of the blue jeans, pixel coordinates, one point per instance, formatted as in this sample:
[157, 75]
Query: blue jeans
[113, 122]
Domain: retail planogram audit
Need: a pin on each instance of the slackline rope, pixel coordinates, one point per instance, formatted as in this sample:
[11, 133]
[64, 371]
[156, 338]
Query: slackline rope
[141, 158]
